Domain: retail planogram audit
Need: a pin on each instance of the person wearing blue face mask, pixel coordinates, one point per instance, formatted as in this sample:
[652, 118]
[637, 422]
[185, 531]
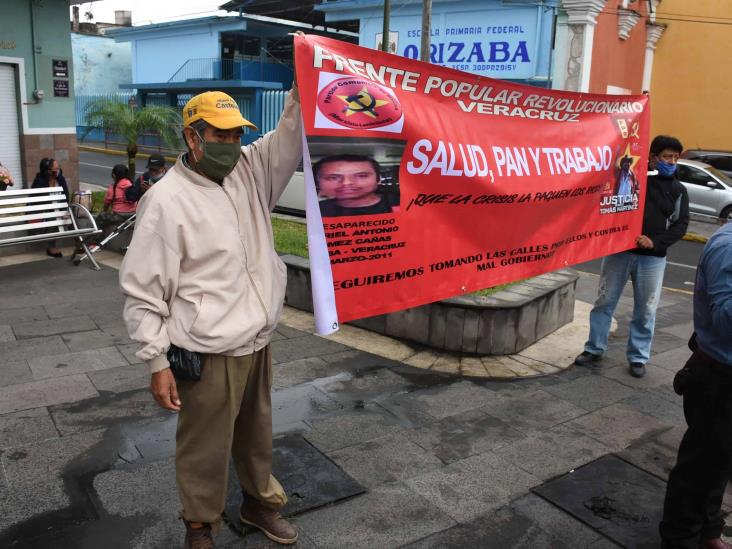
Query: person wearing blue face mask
[665, 219]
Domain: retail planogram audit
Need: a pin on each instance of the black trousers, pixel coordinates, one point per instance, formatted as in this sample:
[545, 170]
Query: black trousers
[696, 485]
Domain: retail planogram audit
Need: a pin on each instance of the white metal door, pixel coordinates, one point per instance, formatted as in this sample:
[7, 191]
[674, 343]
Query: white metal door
[9, 132]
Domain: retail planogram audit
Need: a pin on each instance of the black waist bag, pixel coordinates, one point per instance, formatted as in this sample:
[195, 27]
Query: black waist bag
[185, 365]
[705, 370]
[685, 376]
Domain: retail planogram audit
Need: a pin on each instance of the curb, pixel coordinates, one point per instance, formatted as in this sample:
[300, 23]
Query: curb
[691, 237]
[116, 152]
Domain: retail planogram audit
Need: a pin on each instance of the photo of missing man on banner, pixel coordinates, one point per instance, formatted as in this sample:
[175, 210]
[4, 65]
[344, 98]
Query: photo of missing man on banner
[356, 177]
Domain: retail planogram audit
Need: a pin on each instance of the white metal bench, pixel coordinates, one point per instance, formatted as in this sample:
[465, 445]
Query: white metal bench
[23, 211]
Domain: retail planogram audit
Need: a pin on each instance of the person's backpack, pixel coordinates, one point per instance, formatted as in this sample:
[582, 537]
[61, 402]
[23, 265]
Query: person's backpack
[133, 193]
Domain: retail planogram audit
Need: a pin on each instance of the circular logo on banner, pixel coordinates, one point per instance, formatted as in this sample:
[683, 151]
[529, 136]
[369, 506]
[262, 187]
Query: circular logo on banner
[359, 103]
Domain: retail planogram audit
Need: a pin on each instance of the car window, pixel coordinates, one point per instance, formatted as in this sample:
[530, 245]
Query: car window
[720, 162]
[727, 180]
[689, 174]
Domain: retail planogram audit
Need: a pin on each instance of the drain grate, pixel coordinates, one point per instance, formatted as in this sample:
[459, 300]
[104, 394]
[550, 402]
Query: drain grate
[309, 477]
[614, 497]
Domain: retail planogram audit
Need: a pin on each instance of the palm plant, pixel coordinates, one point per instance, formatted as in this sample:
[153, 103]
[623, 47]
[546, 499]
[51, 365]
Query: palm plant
[130, 122]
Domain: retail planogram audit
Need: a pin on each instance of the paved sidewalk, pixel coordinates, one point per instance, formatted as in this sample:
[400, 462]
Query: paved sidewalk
[442, 461]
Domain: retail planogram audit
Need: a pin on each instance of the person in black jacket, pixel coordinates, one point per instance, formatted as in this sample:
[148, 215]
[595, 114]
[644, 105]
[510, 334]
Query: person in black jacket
[154, 173]
[665, 220]
[50, 175]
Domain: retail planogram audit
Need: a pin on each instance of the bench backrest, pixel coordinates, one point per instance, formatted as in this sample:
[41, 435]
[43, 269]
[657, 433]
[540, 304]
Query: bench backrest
[25, 209]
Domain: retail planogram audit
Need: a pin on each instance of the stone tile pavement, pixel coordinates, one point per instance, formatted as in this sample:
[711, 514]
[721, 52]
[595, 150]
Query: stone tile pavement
[445, 460]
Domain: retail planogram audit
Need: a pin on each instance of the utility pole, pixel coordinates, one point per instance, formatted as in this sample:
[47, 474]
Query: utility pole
[385, 31]
[424, 50]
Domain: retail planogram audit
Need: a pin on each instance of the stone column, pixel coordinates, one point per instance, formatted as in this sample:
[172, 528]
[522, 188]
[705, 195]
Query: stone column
[581, 20]
[653, 34]
[62, 147]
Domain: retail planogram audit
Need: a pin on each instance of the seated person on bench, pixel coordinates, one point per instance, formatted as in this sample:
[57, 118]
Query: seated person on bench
[116, 206]
[6, 180]
[49, 175]
[154, 173]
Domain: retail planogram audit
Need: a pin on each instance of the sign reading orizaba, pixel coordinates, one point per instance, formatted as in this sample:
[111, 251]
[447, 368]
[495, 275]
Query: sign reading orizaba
[424, 182]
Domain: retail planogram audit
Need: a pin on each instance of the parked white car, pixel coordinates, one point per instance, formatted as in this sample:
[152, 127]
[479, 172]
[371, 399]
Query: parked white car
[710, 191]
[292, 200]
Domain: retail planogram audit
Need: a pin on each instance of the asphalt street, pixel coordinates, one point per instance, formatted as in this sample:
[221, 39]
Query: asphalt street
[95, 168]
[680, 266]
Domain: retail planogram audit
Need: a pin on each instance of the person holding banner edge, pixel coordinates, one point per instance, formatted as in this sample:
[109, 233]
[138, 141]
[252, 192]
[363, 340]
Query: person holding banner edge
[665, 219]
[201, 274]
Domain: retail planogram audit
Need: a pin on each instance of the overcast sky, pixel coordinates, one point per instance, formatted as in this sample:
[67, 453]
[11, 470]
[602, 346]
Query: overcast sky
[146, 11]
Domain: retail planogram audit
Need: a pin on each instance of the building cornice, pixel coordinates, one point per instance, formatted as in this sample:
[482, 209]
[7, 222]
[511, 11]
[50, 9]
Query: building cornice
[583, 12]
[654, 31]
[627, 19]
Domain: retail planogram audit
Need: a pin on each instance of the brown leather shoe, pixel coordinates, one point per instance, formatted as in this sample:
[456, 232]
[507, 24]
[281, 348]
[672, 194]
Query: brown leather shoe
[198, 538]
[716, 543]
[269, 521]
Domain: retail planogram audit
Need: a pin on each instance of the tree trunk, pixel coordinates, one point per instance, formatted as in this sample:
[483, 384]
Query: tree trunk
[131, 154]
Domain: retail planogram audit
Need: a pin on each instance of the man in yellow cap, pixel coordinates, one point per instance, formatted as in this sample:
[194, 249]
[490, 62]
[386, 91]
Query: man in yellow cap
[201, 275]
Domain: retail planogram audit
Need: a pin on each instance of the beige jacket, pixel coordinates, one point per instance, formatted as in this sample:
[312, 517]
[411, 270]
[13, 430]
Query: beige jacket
[201, 271]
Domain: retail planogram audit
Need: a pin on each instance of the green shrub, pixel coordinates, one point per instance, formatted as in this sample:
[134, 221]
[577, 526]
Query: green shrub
[97, 201]
[290, 237]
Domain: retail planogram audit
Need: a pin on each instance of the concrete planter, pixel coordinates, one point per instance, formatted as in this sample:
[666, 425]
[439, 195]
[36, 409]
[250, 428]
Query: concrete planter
[502, 324]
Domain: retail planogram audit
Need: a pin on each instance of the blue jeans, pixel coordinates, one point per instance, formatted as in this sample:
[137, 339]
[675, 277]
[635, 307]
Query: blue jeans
[646, 272]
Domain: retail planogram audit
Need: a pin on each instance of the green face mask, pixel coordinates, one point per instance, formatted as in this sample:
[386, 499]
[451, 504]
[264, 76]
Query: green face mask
[219, 159]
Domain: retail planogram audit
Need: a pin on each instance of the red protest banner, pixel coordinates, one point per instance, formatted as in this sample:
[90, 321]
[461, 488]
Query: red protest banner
[432, 182]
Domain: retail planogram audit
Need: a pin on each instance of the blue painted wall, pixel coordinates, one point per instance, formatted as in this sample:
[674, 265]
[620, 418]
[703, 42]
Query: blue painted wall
[158, 51]
[486, 37]
[100, 64]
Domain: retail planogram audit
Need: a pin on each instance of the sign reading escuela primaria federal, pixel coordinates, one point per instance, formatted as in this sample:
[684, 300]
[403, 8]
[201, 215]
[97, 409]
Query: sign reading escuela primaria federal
[504, 47]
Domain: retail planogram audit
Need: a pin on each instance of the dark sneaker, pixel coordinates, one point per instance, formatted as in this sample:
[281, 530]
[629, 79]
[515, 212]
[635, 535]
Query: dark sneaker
[269, 521]
[198, 538]
[637, 369]
[585, 358]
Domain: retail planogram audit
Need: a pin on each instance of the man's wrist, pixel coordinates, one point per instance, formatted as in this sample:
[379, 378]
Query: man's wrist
[158, 364]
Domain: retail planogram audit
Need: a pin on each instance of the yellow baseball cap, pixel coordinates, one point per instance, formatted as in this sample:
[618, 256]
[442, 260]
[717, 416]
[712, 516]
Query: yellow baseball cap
[215, 108]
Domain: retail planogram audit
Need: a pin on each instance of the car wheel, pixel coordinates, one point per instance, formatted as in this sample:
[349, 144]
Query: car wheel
[726, 215]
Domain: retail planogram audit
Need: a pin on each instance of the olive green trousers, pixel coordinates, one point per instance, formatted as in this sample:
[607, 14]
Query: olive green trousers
[228, 412]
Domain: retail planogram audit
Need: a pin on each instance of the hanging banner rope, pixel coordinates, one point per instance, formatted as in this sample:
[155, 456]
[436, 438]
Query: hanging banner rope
[426, 182]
